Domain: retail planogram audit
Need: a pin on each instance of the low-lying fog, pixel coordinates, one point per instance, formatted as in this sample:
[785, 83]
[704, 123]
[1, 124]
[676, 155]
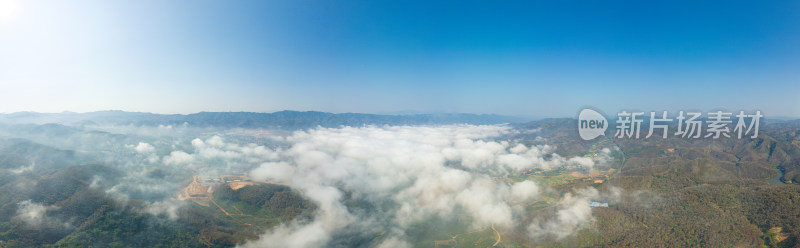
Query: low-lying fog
[401, 176]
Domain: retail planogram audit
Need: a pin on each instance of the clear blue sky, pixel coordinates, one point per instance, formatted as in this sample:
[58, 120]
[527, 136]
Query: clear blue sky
[545, 59]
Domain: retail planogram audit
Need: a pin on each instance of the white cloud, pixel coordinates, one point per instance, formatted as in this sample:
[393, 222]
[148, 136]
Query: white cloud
[23, 169]
[35, 215]
[198, 143]
[277, 171]
[144, 148]
[167, 207]
[415, 172]
[524, 191]
[394, 242]
[215, 141]
[573, 213]
[584, 162]
[178, 157]
[31, 213]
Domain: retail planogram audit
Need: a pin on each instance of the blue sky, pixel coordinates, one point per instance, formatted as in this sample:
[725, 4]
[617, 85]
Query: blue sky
[540, 59]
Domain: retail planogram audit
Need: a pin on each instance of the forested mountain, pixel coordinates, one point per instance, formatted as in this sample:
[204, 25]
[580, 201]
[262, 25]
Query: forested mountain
[727, 192]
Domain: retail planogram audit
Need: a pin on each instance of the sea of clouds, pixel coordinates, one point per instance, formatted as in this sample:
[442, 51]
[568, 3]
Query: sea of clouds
[406, 175]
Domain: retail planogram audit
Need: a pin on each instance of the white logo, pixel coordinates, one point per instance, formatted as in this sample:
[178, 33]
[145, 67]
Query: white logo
[591, 124]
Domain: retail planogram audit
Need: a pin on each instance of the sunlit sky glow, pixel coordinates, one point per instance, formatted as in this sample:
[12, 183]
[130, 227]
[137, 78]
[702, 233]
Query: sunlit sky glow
[544, 59]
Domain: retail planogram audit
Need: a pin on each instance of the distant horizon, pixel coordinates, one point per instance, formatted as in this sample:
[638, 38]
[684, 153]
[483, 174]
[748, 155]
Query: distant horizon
[286, 110]
[245, 111]
[526, 118]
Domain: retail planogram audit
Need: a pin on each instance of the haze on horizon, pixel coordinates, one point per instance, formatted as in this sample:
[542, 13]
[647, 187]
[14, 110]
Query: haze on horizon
[535, 59]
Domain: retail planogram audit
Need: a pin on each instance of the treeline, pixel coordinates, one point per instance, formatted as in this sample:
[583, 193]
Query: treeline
[115, 227]
[277, 200]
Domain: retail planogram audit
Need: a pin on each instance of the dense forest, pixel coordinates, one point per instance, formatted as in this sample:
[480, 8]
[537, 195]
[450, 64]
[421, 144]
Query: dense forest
[693, 193]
